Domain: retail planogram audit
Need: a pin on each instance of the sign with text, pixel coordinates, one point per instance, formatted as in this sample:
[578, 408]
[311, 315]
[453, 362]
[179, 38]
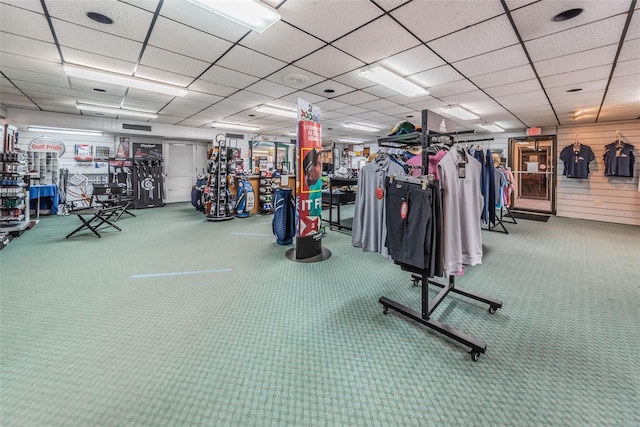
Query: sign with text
[309, 183]
[49, 144]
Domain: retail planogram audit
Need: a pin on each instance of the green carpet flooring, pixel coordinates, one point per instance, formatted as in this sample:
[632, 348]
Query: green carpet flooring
[176, 321]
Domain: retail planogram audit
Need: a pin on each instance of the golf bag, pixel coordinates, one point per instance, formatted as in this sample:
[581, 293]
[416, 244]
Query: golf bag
[245, 198]
[197, 191]
[284, 218]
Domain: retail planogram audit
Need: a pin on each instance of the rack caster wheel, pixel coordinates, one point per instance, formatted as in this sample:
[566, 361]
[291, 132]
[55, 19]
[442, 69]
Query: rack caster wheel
[492, 309]
[385, 309]
[415, 281]
[474, 355]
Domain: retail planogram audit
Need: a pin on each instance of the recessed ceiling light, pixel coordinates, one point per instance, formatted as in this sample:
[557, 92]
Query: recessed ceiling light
[567, 14]
[252, 115]
[329, 91]
[295, 79]
[409, 117]
[98, 89]
[575, 90]
[99, 18]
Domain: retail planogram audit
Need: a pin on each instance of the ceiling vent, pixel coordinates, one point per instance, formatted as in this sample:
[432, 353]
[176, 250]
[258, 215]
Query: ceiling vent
[235, 136]
[144, 128]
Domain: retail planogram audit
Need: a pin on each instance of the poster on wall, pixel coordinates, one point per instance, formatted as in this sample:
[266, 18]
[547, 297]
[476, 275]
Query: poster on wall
[309, 183]
[147, 151]
[123, 147]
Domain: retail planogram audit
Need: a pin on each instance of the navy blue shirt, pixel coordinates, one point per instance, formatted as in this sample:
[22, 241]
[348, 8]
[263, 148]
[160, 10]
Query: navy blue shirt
[618, 159]
[576, 160]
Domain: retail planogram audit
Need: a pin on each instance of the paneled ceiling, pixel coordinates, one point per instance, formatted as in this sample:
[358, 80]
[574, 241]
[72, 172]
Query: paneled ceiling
[507, 61]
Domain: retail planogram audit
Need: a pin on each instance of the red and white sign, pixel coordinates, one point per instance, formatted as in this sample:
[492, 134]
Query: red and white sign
[49, 144]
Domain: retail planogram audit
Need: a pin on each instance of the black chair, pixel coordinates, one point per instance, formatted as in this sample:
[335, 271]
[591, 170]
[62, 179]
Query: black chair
[112, 196]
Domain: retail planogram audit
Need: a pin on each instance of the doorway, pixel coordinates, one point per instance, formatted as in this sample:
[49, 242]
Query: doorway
[533, 163]
[184, 160]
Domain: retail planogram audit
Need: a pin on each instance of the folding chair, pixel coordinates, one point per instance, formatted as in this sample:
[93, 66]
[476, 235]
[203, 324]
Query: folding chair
[111, 196]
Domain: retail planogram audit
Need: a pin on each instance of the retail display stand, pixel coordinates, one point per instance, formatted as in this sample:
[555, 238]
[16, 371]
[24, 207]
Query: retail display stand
[219, 206]
[428, 306]
[14, 209]
[265, 187]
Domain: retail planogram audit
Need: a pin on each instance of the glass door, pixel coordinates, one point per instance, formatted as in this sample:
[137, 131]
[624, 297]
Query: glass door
[532, 162]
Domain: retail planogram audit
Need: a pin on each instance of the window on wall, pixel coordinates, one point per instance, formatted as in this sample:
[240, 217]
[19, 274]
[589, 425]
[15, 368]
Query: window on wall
[266, 155]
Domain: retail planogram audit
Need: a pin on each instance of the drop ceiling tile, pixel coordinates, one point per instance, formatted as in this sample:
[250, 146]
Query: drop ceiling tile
[498, 60]
[351, 110]
[430, 104]
[163, 76]
[391, 4]
[247, 61]
[251, 97]
[143, 105]
[168, 119]
[377, 40]
[623, 95]
[24, 23]
[632, 81]
[212, 88]
[43, 88]
[175, 37]
[355, 98]
[437, 76]
[37, 49]
[330, 105]
[295, 77]
[380, 91]
[31, 64]
[228, 77]
[630, 49]
[511, 75]
[338, 89]
[514, 88]
[21, 75]
[575, 78]
[331, 19]
[175, 63]
[577, 61]
[487, 109]
[197, 98]
[453, 88]
[93, 60]
[627, 67]
[633, 32]
[353, 79]
[32, 5]
[281, 34]
[396, 110]
[183, 107]
[129, 22]
[516, 4]
[82, 38]
[195, 123]
[307, 96]
[20, 101]
[611, 113]
[58, 108]
[535, 20]
[189, 14]
[415, 60]
[432, 19]
[329, 62]
[486, 36]
[378, 104]
[85, 97]
[144, 95]
[88, 86]
[579, 39]
[466, 97]
[271, 89]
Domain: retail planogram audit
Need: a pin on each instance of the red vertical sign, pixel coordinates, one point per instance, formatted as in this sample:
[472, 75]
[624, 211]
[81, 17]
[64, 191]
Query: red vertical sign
[309, 184]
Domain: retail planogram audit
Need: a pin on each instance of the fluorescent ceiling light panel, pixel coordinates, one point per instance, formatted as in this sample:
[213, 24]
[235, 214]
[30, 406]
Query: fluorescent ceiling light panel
[380, 75]
[352, 140]
[267, 109]
[361, 127]
[118, 111]
[64, 130]
[221, 125]
[252, 14]
[491, 127]
[122, 80]
[459, 112]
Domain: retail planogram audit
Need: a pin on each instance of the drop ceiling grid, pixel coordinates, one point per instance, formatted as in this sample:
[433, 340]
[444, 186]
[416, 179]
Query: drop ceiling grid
[279, 35]
[329, 62]
[162, 76]
[36, 49]
[22, 22]
[250, 62]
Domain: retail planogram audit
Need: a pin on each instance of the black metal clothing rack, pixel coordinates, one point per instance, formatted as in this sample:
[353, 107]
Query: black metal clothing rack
[423, 316]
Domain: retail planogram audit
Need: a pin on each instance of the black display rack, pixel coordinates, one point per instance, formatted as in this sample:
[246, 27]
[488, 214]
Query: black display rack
[266, 191]
[219, 206]
[477, 346]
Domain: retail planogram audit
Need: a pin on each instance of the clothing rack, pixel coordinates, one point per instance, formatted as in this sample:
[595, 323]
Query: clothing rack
[423, 316]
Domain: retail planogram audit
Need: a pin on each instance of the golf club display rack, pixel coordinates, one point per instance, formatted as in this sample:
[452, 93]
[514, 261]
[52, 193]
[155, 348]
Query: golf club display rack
[14, 210]
[477, 346]
[265, 187]
[147, 178]
[219, 206]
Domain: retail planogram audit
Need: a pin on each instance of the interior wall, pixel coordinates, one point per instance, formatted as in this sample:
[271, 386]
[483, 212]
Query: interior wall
[600, 198]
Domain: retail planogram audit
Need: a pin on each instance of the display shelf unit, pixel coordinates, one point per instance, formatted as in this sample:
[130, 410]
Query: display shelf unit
[14, 211]
[42, 167]
[219, 206]
[266, 190]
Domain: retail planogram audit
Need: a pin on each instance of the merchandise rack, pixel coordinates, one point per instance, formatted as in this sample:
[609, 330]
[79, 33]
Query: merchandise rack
[424, 138]
[219, 206]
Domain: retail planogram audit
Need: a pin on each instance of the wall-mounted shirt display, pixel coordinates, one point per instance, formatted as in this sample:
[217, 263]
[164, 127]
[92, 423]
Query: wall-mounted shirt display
[576, 158]
[618, 159]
